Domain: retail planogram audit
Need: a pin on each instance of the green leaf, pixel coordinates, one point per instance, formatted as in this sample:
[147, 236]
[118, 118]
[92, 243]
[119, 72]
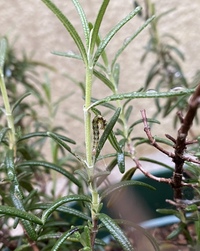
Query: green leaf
[61, 201]
[139, 95]
[45, 134]
[177, 51]
[110, 35]
[17, 196]
[97, 24]
[107, 132]
[63, 144]
[20, 100]
[129, 174]
[169, 211]
[129, 40]
[113, 141]
[116, 73]
[84, 21]
[153, 72]
[107, 105]
[116, 232]
[128, 112]
[64, 209]
[63, 238]
[123, 184]
[70, 28]
[160, 163]
[141, 230]
[104, 79]
[53, 167]
[68, 54]
[120, 154]
[3, 133]
[49, 236]
[130, 129]
[23, 247]
[141, 121]
[176, 231]
[14, 212]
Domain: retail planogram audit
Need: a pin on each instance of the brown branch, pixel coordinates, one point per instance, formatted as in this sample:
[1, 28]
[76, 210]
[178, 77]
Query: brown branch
[150, 137]
[181, 142]
[180, 145]
[149, 175]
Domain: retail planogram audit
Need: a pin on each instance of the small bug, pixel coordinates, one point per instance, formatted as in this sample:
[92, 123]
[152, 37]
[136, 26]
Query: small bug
[97, 123]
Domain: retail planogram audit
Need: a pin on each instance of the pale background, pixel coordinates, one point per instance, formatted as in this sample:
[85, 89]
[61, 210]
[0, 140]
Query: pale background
[38, 31]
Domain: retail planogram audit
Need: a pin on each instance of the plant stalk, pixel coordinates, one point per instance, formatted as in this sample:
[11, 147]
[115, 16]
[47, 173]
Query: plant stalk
[8, 113]
[87, 116]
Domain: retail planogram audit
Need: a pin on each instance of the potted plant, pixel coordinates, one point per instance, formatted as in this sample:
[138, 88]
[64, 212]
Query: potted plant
[49, 222]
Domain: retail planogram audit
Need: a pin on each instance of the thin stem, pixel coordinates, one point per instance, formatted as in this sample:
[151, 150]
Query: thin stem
[8, 112]
[87, 116]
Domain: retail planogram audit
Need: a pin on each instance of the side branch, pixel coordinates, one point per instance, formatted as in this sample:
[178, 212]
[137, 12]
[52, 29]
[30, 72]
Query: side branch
[150, 137]
[181, 142]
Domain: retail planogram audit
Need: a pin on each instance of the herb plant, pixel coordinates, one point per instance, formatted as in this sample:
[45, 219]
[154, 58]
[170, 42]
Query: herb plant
[45, 218]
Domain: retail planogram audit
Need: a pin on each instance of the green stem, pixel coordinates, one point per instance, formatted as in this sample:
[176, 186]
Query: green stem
[87, 117]
[8, 112]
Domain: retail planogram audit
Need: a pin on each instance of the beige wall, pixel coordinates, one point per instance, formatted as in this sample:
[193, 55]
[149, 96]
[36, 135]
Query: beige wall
[40, 32]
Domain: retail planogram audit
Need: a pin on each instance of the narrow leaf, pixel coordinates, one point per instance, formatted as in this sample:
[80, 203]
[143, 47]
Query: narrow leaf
[114, 30]
[139, 95]
[20, 100]
[129, 174]
[129, 40]
[97, 24]
[54, 167]
[14, 212]
[45, 134]
[107, 132]
[61, 201]
[63, 144]
[104, 79]
[63, 238]
[123, 184]
[16, 196]
[116, 232]
[3, 133]
[141, 230]
[160, 163]
[70, 28]
[169, 211]
[64, 209]
[68, 54]
[84, 21]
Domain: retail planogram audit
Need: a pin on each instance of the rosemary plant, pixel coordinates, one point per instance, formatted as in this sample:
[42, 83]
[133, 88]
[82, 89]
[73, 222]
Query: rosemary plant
[44, 218]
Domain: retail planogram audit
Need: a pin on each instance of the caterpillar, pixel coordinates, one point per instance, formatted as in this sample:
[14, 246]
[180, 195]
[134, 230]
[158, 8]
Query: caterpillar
[97, 123]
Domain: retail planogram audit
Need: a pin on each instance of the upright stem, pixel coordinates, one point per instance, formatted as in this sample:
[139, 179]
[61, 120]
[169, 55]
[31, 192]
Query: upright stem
[87, 116]
[8, 113]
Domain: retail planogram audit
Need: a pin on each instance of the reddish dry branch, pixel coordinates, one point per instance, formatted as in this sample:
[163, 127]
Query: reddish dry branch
[181, 142]
[150, 137]
[149, 175]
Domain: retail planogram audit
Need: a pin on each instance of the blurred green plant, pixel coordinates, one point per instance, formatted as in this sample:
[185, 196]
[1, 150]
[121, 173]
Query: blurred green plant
[45, 217]
[165, 72]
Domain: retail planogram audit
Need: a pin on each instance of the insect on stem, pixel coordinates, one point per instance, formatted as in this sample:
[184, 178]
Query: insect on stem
[97, 123]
